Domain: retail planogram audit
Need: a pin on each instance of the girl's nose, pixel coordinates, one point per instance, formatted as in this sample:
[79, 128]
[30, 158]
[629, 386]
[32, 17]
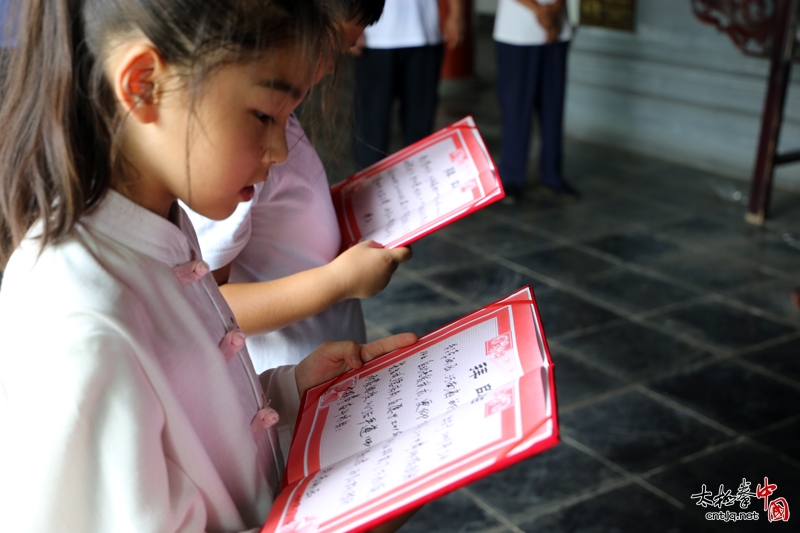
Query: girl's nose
[277, 149]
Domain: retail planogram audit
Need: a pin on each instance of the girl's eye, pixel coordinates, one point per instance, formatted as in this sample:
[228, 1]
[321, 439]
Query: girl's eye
[262, 117]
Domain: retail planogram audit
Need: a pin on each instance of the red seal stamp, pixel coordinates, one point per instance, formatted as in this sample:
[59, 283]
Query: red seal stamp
[500, 401]
[499, 346]
[471, 185]
[459, 157]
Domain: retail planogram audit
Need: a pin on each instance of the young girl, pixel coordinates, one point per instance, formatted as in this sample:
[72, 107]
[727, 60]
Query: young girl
[277, 257]
[127, 401]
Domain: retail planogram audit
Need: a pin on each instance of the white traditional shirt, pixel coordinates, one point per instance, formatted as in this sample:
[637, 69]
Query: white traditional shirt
[289, 226]
[405, 24]
[517, 24]
[124, 403]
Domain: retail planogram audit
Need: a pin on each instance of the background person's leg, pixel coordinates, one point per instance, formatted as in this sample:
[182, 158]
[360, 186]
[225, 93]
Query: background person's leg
[517, 68]
[550, 108]
[372, 107]
[419, 91]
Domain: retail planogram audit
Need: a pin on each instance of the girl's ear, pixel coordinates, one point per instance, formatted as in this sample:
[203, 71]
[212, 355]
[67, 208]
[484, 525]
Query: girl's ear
[138, 80]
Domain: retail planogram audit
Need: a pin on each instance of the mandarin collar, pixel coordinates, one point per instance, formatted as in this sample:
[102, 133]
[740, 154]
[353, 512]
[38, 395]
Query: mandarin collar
[132, 225]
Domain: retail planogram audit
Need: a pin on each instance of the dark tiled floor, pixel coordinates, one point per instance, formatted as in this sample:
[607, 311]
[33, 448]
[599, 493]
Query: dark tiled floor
[782, 359]
[633, 245]
[634, 351]
[673, 332]
[483, 282]
[723, 326]
[630, 508]
[635, 292]
[734, 395]
[578, 380]
[637, 432]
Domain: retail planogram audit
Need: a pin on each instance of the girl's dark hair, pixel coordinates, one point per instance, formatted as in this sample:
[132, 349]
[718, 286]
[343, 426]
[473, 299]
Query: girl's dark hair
[60, 121]
[364, 12]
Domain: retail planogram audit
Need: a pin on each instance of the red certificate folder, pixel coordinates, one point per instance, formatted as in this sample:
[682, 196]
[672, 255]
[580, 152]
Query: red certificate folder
[467, 400]
[421, 188]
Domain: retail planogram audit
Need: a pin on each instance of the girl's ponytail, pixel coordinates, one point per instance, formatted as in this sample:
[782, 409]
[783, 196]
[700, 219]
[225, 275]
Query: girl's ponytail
[54, 148]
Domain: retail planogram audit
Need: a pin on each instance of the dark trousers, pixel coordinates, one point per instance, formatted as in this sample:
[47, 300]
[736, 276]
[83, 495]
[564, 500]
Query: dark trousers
[410, 74]
[531, 79]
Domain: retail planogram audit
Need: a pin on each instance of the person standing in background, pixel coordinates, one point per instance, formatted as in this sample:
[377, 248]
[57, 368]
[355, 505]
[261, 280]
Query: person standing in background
[401, 57]
[532, 39]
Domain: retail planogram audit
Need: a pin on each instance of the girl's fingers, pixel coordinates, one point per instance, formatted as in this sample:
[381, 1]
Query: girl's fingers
[352, 356]
[379, 347]
[400, 255]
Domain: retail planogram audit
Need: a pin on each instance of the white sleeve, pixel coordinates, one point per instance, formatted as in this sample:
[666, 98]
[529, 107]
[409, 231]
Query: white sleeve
[221, 241]
[83, 440]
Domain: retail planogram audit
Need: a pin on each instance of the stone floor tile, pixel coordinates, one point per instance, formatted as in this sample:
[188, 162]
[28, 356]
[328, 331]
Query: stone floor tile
[733, 395]
[435, 252]
[630, 509]
[430, 321]
[776, 249]
[454, 513]
[637, 432]
[774, 297]
[783, 439]
[636, 293]
[634, 351]
[562, 312]
[577, 381]
[402, 300]
[563, 264]
[783, 359]
[540, 480]
[722, 325]
[706, 231]
[482, 283]
[493, 236]
[708, 272]
[633, 245]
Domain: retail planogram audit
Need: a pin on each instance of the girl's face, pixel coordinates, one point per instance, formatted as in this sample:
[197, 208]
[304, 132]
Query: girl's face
[210, 155]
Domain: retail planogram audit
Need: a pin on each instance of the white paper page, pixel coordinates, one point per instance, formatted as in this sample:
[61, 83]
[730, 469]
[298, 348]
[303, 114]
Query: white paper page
[453, 372]
[403, 198]
[383, 468]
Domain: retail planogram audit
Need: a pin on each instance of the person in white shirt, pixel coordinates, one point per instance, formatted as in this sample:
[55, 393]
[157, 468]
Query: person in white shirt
[400, 58]
[128, 401]
[532, 40]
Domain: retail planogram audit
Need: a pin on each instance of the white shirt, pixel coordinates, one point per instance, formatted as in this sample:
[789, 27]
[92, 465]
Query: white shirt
[517, 24]
[405, 24]
[289, 226]
[119, 411]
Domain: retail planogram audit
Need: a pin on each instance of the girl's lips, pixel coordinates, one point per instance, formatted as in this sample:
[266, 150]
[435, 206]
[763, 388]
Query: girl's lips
[247, 193]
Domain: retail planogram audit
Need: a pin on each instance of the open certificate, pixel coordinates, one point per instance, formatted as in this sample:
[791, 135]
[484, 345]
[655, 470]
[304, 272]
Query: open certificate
[421, 188]
[466, 400]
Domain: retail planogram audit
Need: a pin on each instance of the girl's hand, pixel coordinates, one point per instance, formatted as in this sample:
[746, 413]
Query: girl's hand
[365, 269]
[333, 358]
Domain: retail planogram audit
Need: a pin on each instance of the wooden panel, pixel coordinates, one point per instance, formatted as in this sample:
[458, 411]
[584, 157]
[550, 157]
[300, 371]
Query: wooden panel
[614, 14]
